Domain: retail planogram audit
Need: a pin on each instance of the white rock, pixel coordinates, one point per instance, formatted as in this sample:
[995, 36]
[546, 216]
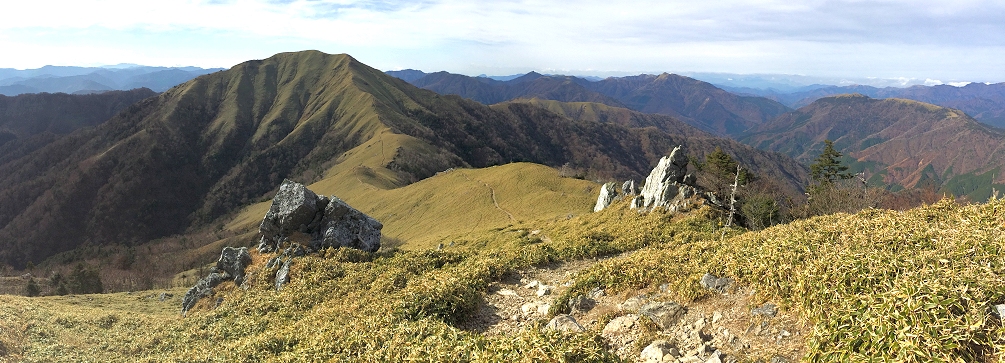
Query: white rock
[565, 323]
[507, 292]
[659, 351]
[529, 308]
[543, 309]
[532, 285]
[608, 192]
[621, 324]
[543, 290]
[716, 316]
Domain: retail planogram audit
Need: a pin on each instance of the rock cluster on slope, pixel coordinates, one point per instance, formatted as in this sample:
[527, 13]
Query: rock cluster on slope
[329, 222]
[231, 265]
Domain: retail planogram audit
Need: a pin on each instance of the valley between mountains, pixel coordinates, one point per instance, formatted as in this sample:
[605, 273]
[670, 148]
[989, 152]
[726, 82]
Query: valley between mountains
[114, 209]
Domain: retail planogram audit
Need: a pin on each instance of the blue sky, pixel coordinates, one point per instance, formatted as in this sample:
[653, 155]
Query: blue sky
[921, 39]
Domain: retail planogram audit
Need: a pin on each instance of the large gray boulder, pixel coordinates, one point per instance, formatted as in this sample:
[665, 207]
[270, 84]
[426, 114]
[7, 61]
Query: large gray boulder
[294, 208]
[344, 226]
[233, 261]
[608, 192]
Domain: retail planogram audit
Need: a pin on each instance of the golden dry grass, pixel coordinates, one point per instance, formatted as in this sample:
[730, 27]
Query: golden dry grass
[876, 286]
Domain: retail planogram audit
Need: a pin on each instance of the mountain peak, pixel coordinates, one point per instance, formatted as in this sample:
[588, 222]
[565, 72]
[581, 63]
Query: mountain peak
[530, 76]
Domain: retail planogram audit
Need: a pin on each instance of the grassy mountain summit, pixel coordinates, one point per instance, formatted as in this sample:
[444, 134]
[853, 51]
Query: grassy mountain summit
[904, 142]
[208, 147]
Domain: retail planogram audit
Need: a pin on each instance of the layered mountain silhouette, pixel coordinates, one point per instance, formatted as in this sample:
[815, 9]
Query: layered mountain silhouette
[29, 115]
[984, 102]
[203, 149]
[901, 142]
[55, 79]
[695, 102]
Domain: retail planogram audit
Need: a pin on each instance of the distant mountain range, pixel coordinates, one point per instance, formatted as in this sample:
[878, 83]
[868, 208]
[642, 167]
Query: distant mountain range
[984, 102]
[54, 79]
[695, 102]
[899, 142]
[213, 145]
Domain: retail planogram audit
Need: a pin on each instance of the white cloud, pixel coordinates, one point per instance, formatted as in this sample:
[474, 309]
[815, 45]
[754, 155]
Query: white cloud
[882, 38]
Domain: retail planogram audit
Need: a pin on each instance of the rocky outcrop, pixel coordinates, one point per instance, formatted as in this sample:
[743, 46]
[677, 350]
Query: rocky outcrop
[669, 186]
[607, 194]
[202, 289]
[230, 266]
[344, 226]
[234, 261]
[329, 222]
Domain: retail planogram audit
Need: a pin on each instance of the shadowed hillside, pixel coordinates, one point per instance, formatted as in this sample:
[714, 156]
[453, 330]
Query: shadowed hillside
[903, 142]
[59, 113]
[985, 102]
[205, 148]
[695, 102]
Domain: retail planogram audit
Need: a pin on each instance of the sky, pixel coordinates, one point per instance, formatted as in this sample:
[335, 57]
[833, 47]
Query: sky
[937, 41]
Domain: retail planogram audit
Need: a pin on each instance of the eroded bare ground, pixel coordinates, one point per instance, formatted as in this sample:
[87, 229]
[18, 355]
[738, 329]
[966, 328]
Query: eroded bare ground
[721, 326]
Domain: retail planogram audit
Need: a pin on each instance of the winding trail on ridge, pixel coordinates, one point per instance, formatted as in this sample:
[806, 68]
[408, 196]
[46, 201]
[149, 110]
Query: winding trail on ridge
[493, 193]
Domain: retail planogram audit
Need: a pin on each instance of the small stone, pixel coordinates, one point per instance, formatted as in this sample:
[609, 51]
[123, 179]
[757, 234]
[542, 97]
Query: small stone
[659, 351]
[621, 324]
[595, 293]
[690, 359]
[515, 317]
[716, 316]
[664, 314]
[581, 304]
[633, 304]
[712, 282]
[767, 310]
[1000, 308]
[165, 296]
[532, 285]
[283, 275]
[564, 323]
[716, 357]
[529, 308]
[543, 309]
[543, 290]
[779, 359]
[507, 292]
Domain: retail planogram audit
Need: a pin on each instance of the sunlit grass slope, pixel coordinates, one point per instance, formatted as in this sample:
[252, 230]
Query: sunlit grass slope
[454, 202]
[877, 285]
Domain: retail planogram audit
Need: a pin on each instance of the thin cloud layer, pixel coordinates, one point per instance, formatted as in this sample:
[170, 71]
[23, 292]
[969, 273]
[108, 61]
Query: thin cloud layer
[958, 40]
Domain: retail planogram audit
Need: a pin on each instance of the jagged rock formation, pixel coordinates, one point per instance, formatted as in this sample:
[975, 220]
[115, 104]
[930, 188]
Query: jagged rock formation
[329, 221]
[669, 185]
[608, 193]
[231, 265]
[628, 188]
